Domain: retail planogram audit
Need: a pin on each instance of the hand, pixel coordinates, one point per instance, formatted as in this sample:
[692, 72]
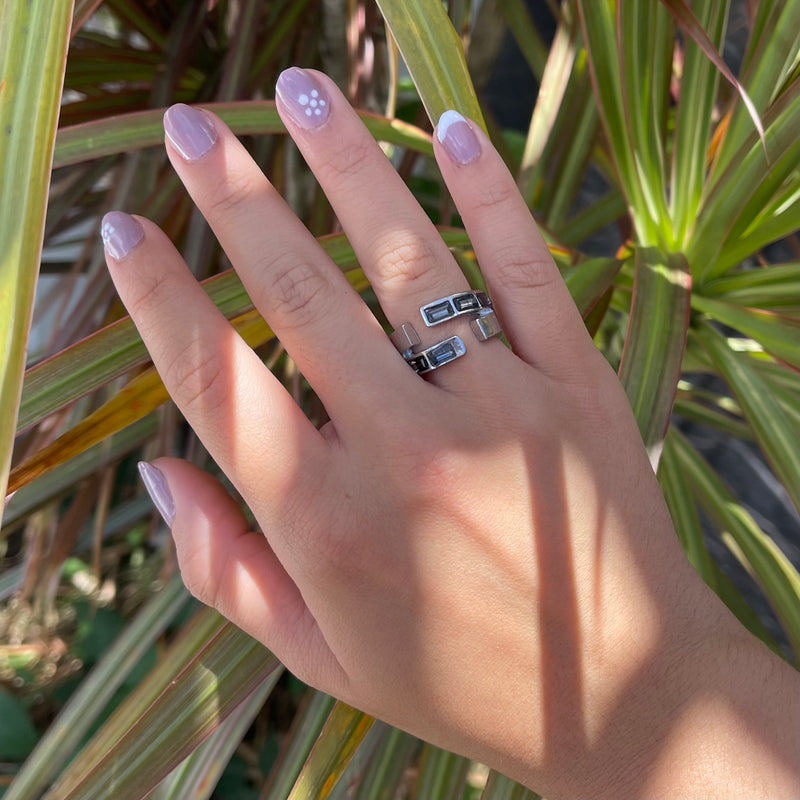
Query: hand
[481, 556]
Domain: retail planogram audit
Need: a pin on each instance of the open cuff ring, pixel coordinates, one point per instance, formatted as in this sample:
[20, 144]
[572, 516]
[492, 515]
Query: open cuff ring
[476, 306]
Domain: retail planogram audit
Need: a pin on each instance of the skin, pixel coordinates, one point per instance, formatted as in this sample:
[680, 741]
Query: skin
[482, 557]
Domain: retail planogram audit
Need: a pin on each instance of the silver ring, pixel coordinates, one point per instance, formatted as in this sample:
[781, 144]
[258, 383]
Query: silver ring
[483, 323]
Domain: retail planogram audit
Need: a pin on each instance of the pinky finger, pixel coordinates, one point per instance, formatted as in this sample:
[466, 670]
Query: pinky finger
[233, 569]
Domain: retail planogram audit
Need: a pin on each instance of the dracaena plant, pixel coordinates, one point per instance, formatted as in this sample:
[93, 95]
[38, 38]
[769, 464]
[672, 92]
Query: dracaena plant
[700, 174]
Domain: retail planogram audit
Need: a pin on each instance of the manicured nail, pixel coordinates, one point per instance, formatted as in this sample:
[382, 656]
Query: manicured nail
[458, 138]
[121, 233]
[156, 485]
[303, 97]
[190, 130]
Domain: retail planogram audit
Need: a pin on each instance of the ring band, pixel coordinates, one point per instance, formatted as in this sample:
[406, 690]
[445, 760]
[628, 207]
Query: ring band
[483, 323]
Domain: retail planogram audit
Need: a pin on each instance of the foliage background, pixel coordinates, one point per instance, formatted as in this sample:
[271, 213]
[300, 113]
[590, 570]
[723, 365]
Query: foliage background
[674, 222]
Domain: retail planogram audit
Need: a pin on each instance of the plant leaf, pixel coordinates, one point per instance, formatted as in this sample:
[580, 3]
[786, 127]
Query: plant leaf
[208, 672]
[442, 774]
[344, 731]
[34, 35]
[654, 342]
[196, 777]
[770, 425]
[499, 787]
[126, 132]
[691, 25]
[778, 335]
[773, 571]
[433, 54]
[309, 721]
[90, 698]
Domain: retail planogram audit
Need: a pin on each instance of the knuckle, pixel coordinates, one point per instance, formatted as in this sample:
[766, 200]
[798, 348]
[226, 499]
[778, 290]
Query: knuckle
[297, 291]
[405, 259]
[346, 161]
[516, 268]
[230, 194]
[148, 295]
[494, 195]
[199, 379]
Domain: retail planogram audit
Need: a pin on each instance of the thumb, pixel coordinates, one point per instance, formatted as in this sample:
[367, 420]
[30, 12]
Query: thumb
[233, 569]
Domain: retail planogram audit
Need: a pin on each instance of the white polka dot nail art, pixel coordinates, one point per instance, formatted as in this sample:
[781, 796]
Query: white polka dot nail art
[303, 98]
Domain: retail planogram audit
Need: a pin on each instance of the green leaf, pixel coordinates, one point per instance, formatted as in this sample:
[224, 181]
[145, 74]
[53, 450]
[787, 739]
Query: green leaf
[207, 673]
[442, 775]
[433, 54]
[775, 285]
[17, 734]
[64, 478]
[34, 35]
[499, 787]
[386, 770]
[126, 132]
[769, 566]
[693, 119]
[683, 511]
[773, 430]
[309, 722]
[196, 777]
[771, 50]
[725, 201]
[603, 49]
[646, 38]
[550, 100]
[589, 280]
[344, 731]
[88, 701]
[654, 342]
[691, 25]
[778, 335]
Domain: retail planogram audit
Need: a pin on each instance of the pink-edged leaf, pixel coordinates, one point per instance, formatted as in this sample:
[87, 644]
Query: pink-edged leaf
[654, 342]
[685, 17]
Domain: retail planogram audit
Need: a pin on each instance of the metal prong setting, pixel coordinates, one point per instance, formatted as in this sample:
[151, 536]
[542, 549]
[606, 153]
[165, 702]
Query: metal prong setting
[454, 306]
[485, 324]
[438, 355]
[407, 341]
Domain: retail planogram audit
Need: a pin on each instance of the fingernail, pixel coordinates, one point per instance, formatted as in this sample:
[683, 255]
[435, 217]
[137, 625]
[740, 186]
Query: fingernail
[121, 233]
[303, 97]
[190, 130]
[458, 138]
[156, 485]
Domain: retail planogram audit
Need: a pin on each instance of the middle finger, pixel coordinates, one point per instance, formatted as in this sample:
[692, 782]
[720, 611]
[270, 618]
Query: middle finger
[398, 247]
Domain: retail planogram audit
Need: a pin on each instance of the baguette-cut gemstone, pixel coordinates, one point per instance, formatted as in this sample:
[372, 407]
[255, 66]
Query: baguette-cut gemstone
[438, 312]
[466, 302]
[446, 351]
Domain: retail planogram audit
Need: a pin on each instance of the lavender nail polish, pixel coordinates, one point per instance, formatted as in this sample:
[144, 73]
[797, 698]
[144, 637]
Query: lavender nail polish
[303, 98]
[458, 138]
[156, 485]
[121, 233]
[190, 130]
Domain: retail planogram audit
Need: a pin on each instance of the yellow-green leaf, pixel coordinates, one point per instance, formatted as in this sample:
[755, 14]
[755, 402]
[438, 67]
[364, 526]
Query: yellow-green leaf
[344, 731]
[34, 35]
[433, 54]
